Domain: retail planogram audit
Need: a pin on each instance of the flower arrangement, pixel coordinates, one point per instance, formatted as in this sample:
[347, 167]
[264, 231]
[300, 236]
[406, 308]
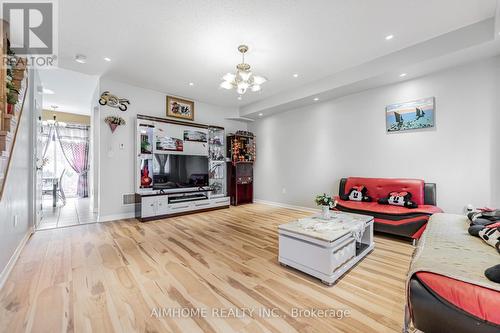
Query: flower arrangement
[114, 122]
[324, 200]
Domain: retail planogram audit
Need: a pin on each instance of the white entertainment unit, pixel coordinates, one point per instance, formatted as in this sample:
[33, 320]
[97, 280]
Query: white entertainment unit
[180, 168]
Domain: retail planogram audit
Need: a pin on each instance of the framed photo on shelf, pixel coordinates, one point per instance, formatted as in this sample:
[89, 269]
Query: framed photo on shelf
[169, 144]
[180, 108]
[197, 136]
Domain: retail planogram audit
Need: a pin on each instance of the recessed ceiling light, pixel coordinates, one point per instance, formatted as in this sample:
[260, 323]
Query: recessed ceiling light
[316, 99]
[239, 98]
[48, 91]
[403, 74]
[191, 84]
[107, 59]
[261, 114]
[81, 58]
[389, 37]
[295, 75]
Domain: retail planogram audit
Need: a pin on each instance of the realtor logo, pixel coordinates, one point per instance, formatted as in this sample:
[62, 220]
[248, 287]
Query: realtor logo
[32, 30]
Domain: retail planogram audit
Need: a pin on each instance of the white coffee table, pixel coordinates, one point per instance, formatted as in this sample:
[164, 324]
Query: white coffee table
[323, 248]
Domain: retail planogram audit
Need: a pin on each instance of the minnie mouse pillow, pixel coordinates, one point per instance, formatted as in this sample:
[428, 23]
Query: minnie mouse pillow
[491, 235]
[356, 193]
[402, 199]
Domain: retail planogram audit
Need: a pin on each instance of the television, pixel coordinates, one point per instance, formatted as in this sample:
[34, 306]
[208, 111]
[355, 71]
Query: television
[179, 171]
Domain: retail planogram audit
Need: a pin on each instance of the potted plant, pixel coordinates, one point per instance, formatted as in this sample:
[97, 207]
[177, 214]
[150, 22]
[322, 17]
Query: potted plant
[12, 89]
[11, 102]
[326, 202]
[114, 122]
[18, 74]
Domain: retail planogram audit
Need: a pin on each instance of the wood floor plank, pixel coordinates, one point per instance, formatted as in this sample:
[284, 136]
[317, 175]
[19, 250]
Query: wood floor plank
[119, 277]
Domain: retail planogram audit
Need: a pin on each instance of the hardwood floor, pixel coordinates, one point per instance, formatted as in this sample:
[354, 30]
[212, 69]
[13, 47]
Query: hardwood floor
[117, 276]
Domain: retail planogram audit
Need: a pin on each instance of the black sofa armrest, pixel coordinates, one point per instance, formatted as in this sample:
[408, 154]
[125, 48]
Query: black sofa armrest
[343, 181]
[430, 194]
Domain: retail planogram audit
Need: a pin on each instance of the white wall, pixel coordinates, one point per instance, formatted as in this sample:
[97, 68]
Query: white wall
[306, 151]
[116, 166]
[16, 202]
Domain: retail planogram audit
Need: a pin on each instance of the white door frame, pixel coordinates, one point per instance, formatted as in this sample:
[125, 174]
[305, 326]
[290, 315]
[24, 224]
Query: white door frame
[36, 106]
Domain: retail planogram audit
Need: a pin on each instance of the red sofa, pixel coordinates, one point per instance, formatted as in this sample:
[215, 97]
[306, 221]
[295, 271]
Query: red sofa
[447, 293]
[390, 219]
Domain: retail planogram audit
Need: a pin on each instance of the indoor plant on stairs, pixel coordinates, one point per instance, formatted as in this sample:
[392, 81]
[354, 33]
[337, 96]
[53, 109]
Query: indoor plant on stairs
[326, 202]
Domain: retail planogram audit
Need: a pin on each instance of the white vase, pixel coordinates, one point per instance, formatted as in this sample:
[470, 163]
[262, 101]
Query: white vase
[325, 213]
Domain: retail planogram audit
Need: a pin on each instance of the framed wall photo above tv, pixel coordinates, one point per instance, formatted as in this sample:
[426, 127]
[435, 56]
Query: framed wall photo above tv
[413, 115]
[180, 108]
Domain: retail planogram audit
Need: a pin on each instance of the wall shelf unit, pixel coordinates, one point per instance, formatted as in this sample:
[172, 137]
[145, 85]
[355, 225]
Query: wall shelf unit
[161, 143]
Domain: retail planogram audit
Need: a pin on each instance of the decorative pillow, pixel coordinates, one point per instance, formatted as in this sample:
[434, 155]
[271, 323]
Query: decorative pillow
[402, 199]
[491, 235]
[356, 193]
[483, 217]
[493, 273]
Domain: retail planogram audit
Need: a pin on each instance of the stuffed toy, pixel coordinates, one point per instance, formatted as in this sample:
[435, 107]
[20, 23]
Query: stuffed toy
[402, 199]
[484, 217]
[493, 273]
[356, 193]
[491, 235]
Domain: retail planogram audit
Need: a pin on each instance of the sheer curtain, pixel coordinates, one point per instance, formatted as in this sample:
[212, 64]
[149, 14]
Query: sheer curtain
[47, 132]
[74, 142]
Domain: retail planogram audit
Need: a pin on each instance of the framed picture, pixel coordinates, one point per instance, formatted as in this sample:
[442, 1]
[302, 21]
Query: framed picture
[413, 115]
[180, 108]
[197, 136]
[166, 143]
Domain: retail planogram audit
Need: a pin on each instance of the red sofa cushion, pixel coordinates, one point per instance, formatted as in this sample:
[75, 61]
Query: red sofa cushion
[481, 302]
[381, 187]
[375, 207]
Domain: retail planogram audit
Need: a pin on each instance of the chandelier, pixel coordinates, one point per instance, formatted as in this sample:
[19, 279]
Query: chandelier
[243, 79]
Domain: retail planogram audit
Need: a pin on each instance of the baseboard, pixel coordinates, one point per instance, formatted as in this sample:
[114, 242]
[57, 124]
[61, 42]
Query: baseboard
[12, 261]
[113, 217]
[284, 205]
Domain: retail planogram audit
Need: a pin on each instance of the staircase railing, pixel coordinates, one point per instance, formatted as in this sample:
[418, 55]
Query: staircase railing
[13, 91]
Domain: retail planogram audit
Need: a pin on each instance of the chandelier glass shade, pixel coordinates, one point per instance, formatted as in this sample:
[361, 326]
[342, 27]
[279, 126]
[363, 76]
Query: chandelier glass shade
[243, 79]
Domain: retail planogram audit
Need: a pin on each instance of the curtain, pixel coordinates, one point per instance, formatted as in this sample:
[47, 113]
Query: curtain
[74, 141]
[47, 132]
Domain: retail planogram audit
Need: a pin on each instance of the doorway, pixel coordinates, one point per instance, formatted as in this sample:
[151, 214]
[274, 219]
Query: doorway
[65, 150]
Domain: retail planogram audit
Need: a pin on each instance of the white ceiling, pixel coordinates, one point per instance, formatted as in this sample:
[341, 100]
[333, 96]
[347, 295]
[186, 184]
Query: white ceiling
[164, 45]
[73, 91]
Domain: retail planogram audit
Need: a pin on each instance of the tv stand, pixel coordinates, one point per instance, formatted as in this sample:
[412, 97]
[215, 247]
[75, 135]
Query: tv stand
[160, 205]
